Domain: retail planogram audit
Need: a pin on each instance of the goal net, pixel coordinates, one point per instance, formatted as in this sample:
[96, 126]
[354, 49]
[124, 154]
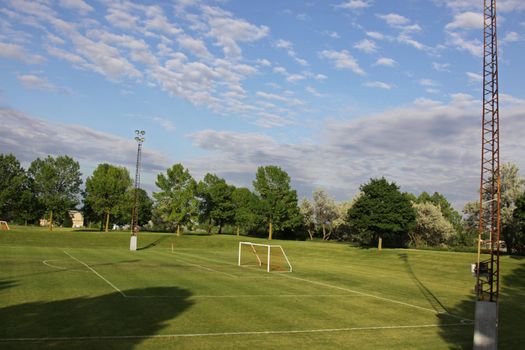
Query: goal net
[270, 257]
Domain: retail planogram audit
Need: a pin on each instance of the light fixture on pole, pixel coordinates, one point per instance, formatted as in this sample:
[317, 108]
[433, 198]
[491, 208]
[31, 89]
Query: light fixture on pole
[134, 214]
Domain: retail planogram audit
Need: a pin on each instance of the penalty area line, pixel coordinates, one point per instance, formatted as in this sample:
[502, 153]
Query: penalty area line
[96, 273]
[218, 334]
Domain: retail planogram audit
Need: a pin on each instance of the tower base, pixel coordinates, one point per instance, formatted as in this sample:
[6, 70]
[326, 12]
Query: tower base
[486, 326]
[133, 243]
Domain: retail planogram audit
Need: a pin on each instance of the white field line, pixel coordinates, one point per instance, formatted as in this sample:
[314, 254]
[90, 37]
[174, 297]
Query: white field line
[96, 273]
[250, 296]
[351, 291]
[188, 335]
[45, 262]
[201, 266]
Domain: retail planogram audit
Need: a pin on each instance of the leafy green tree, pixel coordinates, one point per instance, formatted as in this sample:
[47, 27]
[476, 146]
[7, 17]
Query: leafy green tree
[307, 211]
[144, 207]
[56, 184]
[278, 200]
[176, 202]
[511, 187]
[106, 190]
[382, 211]
[16, 197]
[325, 211]
[215, 201]
[448, 212]
[431, 227]
[515, 237]
[247, 212]
[340, 226]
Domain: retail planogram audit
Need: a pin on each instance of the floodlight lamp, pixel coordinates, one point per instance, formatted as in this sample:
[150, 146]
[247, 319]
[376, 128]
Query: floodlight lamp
[137, 139]
[142, 132]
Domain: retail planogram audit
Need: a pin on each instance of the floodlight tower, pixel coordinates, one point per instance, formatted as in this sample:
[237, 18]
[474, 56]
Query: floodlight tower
[135, 213]
[487, 268]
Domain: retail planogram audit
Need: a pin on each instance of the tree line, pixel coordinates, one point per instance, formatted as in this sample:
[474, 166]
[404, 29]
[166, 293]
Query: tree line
[52, 186]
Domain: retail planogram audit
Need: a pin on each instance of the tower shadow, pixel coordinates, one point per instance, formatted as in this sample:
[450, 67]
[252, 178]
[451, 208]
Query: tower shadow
[106, 321]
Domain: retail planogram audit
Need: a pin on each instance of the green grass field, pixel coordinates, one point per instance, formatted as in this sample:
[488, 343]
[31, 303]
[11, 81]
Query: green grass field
[86, 290]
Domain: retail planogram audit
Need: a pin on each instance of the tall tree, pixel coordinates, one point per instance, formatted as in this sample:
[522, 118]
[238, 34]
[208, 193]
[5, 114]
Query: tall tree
[215, 201]
[431, 228]
[448, 212]
[515, 237]
[511, 187]
[176, 202]
[247, 213]
[106, 190]
[325, 212]
[382, 211]
[307, 210]
[16, 197]
[125, 209]
[278, 200]
[56, 184]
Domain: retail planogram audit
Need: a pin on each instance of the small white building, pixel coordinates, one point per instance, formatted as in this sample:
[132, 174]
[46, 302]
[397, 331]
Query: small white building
[77, 218]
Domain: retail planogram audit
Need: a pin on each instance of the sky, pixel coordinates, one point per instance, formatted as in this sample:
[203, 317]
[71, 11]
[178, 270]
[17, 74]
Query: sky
[335, 92]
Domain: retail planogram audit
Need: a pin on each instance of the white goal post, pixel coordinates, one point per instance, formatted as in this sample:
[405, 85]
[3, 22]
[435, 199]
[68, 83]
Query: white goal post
[271, 257]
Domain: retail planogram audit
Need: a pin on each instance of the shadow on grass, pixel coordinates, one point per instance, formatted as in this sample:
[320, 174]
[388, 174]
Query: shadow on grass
[106, 321]
[154, 243]
[7, 284]
[511, 312]
[431, 298]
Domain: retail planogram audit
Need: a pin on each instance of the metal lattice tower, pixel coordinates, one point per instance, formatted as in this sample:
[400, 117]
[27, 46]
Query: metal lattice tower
[135, 213]
[489, 215]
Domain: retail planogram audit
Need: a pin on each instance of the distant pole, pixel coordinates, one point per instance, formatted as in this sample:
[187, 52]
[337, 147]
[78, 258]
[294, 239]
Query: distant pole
[139, 137]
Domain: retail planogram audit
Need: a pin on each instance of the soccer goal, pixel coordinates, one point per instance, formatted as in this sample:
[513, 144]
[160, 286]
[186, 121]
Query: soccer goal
[4, 226]
[270, 257]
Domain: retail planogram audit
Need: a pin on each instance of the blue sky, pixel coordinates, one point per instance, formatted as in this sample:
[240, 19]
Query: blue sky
[334, 92]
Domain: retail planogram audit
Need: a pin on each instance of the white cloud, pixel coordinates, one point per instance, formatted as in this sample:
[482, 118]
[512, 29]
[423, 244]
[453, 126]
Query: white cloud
[427, 146]
[281, 98]
[295, 78]
[427, 82]
[19, 53]
[378, 85]
[355, 4]
[511, 37]
[366, 45]
[288, 46]
[466, 20]
[229, 31]
[78, 5]
[320, 77]
[264, 62]
[441, 67]
[385, 61]
[343, 60]
[474, 77]
[31, 81]
[334, 35]
[313, 91]
[375, 35]
[394, 19]
[474, 47]
[195, 46]
[28, 138]
[165, 123]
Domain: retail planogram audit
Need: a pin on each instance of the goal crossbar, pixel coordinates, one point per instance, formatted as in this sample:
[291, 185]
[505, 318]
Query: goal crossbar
[271, 257]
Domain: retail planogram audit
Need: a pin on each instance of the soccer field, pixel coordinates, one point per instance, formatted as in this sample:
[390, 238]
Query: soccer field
[87, 290]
